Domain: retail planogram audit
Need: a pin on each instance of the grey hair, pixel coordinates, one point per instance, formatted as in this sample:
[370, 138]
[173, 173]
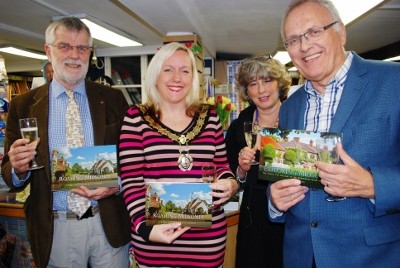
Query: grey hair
[327, 4]
[68, 23]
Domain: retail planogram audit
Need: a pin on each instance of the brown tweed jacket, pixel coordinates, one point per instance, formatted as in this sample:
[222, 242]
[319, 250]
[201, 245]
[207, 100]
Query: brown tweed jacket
[107, 107]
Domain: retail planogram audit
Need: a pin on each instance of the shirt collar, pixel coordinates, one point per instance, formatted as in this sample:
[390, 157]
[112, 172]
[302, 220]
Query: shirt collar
[58, 89]
[342, 73]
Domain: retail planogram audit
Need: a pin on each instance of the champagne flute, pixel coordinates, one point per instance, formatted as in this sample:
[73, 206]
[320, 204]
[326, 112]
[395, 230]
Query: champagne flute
[29, 130]
[250, 135]
[326, 148]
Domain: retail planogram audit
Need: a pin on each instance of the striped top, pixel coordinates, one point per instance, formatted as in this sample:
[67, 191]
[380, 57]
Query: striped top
[146, 155]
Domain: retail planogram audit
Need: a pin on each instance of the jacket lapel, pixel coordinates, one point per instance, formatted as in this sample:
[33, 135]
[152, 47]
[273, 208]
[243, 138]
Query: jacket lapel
[352, 92]
[98, 113]
[40, 110]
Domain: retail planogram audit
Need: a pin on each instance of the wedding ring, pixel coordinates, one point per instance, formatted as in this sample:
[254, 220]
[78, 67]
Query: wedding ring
[240, 153]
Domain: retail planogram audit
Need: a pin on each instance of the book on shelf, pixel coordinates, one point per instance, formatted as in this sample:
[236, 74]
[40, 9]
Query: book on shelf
[90, 166]
[187, 203]
[290, 153]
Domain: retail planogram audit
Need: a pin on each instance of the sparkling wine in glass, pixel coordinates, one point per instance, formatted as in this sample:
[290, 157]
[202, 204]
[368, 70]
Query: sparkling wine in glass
[250, 134]
[326, 148]
[29, 130]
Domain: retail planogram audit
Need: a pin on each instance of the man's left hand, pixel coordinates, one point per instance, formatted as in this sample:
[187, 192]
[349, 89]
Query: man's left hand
[347, 180]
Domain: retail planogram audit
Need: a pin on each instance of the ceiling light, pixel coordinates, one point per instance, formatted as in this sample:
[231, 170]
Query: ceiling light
[348, 11]
[108, 36]
[283, 57]
[101, 33]
[397, 58]
[23, 53]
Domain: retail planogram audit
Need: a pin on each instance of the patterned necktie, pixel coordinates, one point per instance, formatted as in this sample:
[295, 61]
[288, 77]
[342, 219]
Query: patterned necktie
[75, 138]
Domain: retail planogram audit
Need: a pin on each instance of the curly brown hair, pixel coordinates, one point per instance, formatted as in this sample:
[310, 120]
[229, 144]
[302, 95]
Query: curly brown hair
[261, 67]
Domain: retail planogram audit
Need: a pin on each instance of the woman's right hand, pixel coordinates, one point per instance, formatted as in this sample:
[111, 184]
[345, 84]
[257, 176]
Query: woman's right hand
[167, 233]
[246, 155]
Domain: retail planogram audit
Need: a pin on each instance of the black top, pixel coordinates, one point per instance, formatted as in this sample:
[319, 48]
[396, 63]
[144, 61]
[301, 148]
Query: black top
[259, 241]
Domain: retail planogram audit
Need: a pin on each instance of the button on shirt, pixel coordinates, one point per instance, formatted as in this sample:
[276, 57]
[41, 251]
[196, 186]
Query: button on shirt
[58, 100]
[321, 108]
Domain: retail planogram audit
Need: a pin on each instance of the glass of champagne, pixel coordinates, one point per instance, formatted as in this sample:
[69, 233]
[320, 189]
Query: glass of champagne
[326, 148]
[29, 130]
[250, 134]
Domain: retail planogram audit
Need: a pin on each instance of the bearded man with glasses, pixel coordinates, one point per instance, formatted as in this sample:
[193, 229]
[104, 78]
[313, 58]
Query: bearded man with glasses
[58, 236]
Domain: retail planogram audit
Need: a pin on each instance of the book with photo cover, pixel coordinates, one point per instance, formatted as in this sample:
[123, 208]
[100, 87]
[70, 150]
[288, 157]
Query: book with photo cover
[187, 203]
[90, 166]
[292, 153]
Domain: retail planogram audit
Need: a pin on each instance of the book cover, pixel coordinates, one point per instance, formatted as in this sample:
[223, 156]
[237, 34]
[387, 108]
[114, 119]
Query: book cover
[292, 154]
[91, 166]
[188, 203]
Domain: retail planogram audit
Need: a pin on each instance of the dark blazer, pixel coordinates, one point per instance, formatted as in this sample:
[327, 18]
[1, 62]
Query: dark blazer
[354, 232]
[107, 108]
[259, 242]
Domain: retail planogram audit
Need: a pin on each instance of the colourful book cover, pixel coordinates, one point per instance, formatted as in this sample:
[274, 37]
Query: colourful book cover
[292, 154]
[188, 203]
[91, 166]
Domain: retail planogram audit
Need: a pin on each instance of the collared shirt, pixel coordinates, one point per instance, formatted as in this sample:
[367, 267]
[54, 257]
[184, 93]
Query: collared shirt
[321, 108]
[58, 100]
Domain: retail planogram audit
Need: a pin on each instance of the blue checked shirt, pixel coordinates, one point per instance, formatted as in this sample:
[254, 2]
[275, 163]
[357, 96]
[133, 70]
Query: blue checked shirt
[321, 108]
[58, 100]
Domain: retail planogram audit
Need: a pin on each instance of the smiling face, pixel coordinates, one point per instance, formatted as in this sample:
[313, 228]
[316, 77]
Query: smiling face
[264, 93]
[70, 67]
[175, 79]
[319, 60]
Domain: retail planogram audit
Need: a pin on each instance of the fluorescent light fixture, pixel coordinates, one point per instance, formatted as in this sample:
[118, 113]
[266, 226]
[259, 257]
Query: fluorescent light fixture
[282, 56]
[99, 31]
[23, 53]
[348, 11]
[397, 58]
[105, 35]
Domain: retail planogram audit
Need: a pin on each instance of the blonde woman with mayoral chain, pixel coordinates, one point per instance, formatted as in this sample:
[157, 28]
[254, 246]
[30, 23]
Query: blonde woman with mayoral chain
[168, 139]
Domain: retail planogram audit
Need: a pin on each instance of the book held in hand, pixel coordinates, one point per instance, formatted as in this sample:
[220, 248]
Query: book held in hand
[292, 153]
[90, 166]
[187, 203]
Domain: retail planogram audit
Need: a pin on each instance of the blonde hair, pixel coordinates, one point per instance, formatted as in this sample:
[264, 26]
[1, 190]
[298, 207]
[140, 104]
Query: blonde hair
[153, 71]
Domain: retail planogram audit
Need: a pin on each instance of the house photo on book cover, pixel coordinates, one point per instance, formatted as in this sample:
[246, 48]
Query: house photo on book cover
[187, 203]
[90, 166]
[291, 153]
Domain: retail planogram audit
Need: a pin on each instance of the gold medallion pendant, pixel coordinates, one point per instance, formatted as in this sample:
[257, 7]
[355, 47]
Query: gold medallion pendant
[185, 161]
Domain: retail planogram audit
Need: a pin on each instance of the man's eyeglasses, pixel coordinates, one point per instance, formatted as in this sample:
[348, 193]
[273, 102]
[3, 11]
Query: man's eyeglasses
[310, 35]
[67, 48]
